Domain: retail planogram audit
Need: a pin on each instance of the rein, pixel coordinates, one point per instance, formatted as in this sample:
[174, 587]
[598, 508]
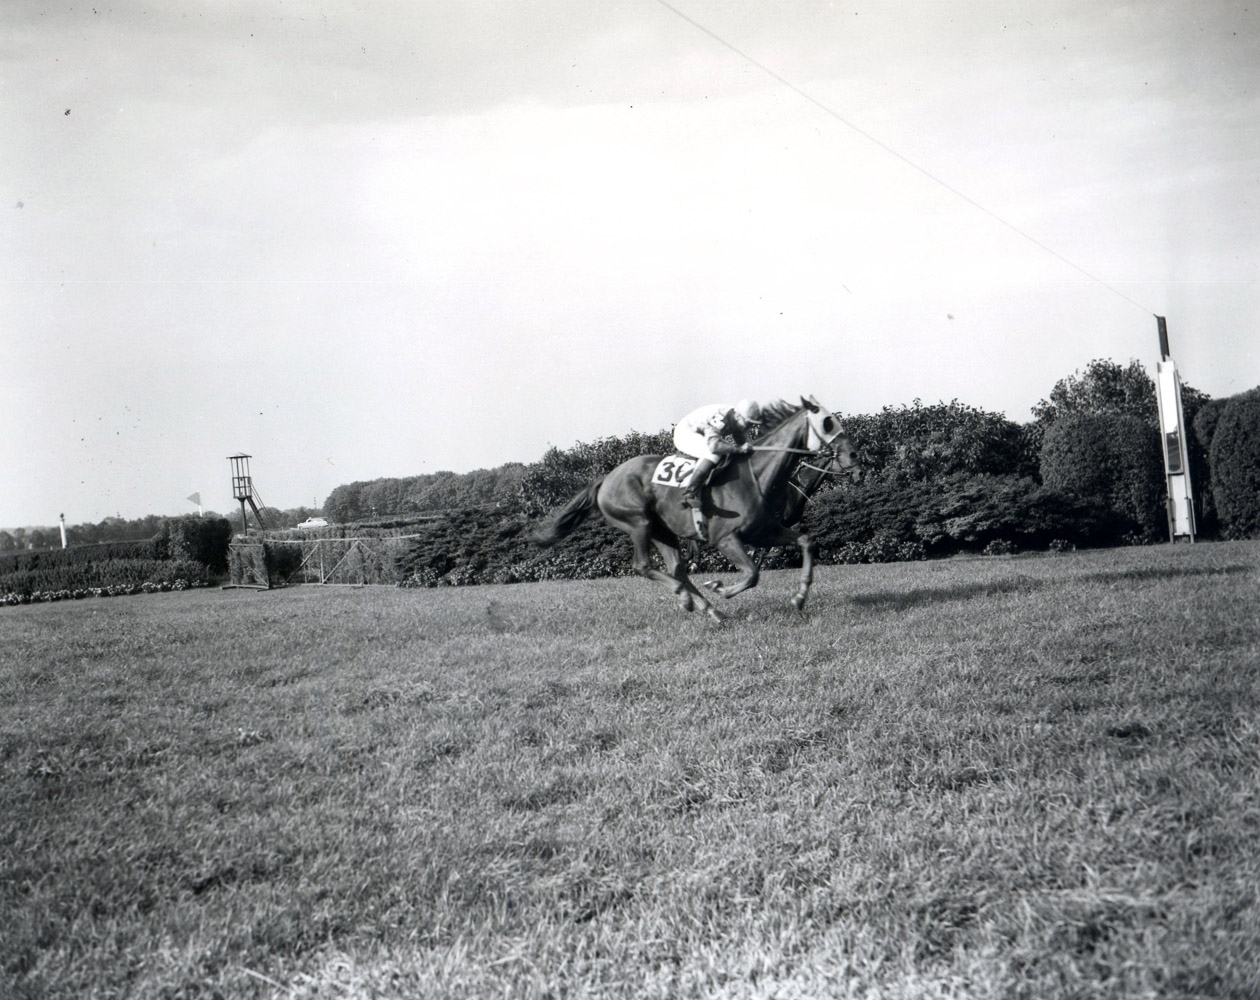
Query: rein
[828, 470]
[825, 470]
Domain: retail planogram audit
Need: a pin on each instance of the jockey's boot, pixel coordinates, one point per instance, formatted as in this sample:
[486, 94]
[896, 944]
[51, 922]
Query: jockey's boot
[699, 477]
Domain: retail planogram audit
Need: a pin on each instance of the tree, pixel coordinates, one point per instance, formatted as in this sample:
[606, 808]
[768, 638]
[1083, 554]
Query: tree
[342, 505]
[44, 538]
[1107, 389]
[1104, 388]
[272, 517]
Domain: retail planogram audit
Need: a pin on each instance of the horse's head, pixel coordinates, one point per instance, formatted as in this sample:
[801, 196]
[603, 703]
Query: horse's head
[826, 433]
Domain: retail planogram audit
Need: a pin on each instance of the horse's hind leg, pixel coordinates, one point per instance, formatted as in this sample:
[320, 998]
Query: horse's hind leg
[641, 537]
[692, 595]
[733, 549]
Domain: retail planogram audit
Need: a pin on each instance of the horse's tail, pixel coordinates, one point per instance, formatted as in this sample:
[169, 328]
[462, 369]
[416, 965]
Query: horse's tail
[568, 517]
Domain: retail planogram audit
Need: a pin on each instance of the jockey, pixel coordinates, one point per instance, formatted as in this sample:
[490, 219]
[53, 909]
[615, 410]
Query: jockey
[702, 434]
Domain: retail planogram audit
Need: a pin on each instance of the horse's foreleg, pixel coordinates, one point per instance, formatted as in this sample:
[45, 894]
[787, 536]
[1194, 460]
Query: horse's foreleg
[808, 549]
[786, 536]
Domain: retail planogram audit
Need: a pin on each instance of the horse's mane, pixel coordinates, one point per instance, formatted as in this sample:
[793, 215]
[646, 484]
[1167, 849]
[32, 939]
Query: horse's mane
[774, 413]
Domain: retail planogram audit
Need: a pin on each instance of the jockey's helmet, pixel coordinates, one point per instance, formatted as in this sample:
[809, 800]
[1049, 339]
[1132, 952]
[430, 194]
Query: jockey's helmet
[749, 410]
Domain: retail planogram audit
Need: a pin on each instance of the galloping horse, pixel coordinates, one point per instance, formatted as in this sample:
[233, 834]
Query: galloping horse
[749, 501]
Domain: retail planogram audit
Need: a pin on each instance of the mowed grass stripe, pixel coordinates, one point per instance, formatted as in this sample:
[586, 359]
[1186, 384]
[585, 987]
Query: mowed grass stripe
[986, 778]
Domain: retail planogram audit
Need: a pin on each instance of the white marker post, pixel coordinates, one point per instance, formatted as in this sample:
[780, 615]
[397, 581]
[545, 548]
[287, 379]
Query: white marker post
[1172, 423]
[63, 531]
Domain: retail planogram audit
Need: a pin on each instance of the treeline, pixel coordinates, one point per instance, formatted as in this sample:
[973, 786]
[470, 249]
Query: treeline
[425, 494]
[111, 529]
[121, 529]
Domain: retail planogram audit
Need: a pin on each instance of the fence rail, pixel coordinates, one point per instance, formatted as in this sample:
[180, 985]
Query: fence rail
[355, 560]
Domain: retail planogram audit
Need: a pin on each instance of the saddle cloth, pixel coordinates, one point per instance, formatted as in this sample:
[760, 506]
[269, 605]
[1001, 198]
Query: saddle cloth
[674, 470]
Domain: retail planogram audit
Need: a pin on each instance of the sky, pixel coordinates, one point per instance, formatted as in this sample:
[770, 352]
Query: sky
[361, 240]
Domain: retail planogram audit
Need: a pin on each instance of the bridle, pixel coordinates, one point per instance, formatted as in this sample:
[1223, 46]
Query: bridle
[828, 449]
[828, 469]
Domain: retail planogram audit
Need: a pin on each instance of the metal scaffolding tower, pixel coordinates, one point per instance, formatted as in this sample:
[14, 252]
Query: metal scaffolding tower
[243, 490]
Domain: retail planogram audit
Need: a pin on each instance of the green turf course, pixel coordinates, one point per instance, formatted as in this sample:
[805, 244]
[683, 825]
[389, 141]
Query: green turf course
[1006, 777]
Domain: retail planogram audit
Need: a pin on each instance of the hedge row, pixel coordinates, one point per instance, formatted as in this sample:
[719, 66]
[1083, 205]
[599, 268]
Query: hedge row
[83, 555]
[148, 587]
[105, 578]
[189, 551]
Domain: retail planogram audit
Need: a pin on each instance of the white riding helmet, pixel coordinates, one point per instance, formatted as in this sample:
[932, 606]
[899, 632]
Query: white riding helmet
[749, 410]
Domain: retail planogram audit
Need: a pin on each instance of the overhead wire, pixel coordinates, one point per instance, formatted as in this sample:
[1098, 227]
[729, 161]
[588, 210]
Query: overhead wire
[828, 110]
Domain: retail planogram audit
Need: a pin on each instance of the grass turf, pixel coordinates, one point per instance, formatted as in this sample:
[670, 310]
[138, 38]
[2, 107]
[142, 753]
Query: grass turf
[1030, 777]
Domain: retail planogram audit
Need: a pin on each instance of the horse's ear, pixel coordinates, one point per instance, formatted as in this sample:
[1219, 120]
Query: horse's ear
[809, 404]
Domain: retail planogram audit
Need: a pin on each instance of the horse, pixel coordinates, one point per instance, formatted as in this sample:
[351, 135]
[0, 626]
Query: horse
[751, 500]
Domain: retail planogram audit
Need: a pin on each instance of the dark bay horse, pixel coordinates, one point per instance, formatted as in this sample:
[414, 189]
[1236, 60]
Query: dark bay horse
[749, 502]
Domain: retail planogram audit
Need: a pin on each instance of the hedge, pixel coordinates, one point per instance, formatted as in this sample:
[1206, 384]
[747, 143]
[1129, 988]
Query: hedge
[890, 518]
[188, 552]
[1112, 459]
[201, 539]
[104, 578]
[1235, 457]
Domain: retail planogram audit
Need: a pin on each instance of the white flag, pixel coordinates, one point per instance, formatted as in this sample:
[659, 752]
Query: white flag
[196, 498]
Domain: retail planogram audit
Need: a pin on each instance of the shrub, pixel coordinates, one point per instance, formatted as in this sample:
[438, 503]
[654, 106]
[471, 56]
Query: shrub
[928, 441]
[884, 547]
[890, 517]
[201, 539]
[1000, 547]
[1235, 462]
[551, 481]
[1203, 427]
[867, 520]
[979, 511]
[1113, 461]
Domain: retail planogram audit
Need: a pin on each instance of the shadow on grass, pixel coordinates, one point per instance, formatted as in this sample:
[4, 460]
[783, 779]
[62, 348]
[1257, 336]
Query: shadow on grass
[901, 600]
[1168, 572]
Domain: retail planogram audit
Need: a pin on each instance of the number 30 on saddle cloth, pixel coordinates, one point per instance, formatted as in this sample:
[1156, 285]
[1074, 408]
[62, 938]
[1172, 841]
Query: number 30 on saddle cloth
[674, 470]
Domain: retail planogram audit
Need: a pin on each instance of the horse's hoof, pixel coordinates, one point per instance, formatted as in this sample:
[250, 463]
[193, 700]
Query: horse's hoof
[716, 615]
[798, 602]
[686, 603]
[714, 585]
